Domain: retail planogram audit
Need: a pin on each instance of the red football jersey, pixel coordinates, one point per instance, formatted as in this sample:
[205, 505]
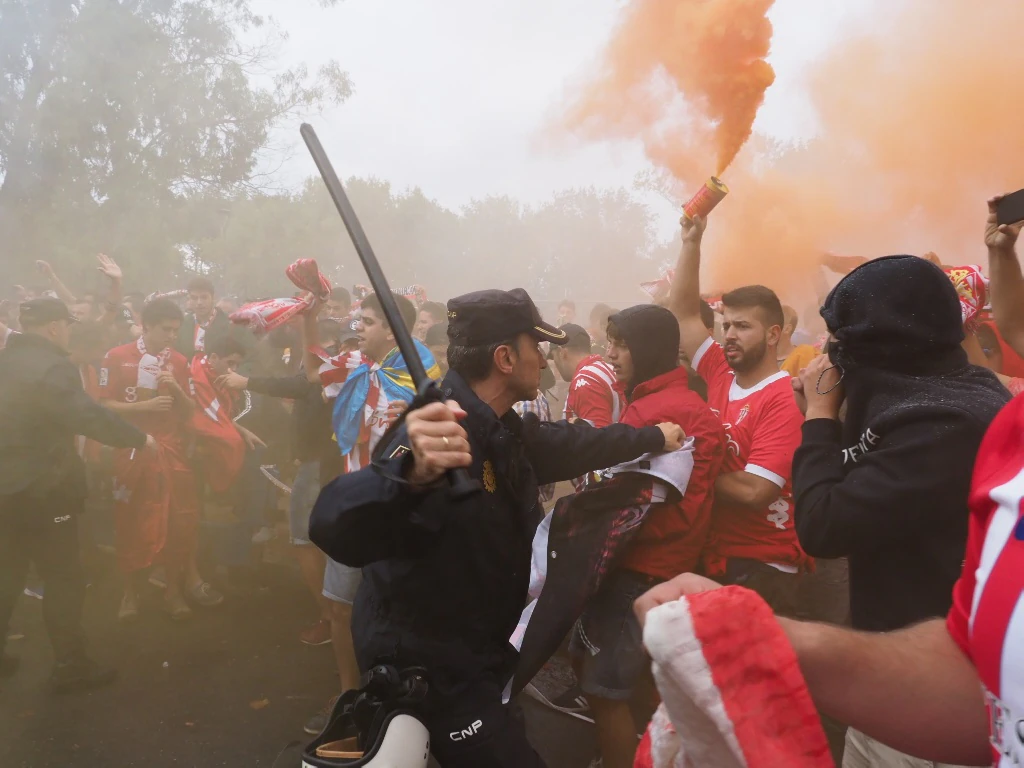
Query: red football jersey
[762, 431]
[129, 375]
[987, 617]
[594, 394]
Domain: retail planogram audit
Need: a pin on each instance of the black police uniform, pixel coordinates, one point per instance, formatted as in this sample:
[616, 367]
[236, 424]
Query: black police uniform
[43, 406]
[444, 582]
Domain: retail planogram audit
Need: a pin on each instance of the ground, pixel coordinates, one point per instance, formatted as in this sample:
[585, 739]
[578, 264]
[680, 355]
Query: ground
[231, 687]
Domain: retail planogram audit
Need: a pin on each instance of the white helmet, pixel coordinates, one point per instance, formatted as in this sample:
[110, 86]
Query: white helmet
[374, 727]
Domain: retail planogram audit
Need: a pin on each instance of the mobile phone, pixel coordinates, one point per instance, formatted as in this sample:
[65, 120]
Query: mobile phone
[1010, 209]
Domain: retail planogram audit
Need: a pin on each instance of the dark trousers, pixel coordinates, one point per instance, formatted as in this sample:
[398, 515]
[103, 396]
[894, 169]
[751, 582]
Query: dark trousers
[478, 731]
[778, 588]
[44, 534]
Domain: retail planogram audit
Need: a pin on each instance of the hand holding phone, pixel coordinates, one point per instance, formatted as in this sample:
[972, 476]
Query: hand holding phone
[1001, 236]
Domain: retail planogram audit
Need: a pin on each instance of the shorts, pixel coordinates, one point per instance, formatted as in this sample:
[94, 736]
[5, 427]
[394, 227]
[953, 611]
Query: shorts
[341, 582]
[609, 640]
[778, 588]
[305, 489]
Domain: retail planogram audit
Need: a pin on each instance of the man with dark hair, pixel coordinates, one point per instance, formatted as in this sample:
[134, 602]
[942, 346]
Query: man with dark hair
[431, 313]
[204, 321]
[643, 351]
[368, 389]
[43, 407]
[156, 506]
[445, 581]
[339, 305]
[753, 541]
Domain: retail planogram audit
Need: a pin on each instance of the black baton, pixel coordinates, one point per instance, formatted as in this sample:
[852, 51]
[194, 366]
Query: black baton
[462, 485]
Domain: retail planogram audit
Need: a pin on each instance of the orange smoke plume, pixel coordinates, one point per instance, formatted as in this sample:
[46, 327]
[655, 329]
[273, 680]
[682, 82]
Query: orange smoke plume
[918, 122]
[711, 52]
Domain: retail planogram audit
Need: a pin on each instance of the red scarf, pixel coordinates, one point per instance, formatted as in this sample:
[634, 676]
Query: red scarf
[216, 435]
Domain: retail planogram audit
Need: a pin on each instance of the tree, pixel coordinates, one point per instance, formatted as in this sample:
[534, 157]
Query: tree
[118, 116]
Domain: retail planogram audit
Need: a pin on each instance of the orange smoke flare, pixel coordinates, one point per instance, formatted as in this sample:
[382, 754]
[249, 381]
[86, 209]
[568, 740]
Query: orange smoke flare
[917, 123]
[713, 54]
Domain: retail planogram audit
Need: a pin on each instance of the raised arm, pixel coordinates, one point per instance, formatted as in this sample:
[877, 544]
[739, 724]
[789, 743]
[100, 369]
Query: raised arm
[1006, 283]
[61, 290]
[310, 338]
[112, 301]
[684, 295]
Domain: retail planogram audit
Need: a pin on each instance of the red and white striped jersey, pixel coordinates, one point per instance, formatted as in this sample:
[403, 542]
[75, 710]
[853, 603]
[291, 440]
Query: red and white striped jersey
[987, 617]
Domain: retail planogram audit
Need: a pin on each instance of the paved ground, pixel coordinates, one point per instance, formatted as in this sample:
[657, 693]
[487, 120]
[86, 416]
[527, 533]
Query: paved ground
[232, 687]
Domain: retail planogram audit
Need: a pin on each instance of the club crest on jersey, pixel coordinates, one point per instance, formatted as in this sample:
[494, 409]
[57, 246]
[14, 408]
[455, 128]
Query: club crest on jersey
[743, 413]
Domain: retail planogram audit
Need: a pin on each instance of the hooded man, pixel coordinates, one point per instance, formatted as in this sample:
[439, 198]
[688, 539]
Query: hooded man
[643, 351]
[888, 486]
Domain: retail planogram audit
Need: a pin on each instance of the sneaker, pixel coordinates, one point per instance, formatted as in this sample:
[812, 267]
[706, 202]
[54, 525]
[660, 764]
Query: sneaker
[571, 702]
[81, 675]
[158, 577]
[205, 595]
[263, 535]
[177, 608]
[129, 610]
[316, 634]
[36, 593]
[8, 665]
[316, 724]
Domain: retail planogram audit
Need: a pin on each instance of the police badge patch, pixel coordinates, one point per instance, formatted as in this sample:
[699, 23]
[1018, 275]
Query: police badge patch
[490, 480]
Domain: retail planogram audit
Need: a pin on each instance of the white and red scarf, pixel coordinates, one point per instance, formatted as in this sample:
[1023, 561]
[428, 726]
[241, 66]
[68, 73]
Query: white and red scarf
[215, 430]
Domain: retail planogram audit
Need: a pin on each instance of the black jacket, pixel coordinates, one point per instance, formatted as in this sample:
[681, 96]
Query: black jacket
[311, 416]
[444, 583]
[43, 406]
[888, 487]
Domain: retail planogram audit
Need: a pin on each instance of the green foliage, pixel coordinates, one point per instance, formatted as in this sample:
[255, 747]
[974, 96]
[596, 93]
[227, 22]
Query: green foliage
[116, 115]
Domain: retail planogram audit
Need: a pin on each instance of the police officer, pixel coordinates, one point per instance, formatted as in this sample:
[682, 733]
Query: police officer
[43, 406]
[444, 582]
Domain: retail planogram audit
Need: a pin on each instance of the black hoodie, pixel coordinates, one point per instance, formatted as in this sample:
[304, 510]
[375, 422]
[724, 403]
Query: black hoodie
[652, 335]
[888, 487]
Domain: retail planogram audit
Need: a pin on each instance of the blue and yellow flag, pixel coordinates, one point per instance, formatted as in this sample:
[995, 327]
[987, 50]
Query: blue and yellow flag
[394, 380]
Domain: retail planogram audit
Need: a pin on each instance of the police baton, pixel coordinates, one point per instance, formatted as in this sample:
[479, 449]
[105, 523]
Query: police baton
[427, 391]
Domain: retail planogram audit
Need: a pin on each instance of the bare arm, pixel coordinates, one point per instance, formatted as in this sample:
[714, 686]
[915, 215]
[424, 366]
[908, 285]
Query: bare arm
[684, 295]
[1006, 282]
[62, 290]
[153, 405]
[310, 338]
[746, 489]
[113, 273]
[912, 689]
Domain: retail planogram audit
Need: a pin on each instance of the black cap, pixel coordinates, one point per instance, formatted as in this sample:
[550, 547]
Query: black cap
[490, 317]
[574, 333]
[37, 312]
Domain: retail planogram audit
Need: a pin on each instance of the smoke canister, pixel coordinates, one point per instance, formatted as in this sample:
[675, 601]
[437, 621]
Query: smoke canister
[707, 197]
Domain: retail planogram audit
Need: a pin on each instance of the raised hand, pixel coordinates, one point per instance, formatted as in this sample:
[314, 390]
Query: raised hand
[109, 267]
[1000, 237]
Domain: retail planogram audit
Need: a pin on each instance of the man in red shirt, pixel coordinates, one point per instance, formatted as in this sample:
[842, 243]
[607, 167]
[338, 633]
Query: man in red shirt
[595, 396]
[156, 508]
[948, 689]
[643, 352]
[752, 541]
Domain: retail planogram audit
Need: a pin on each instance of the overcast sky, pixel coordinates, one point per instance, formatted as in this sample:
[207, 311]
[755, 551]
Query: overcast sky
[453, 96]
